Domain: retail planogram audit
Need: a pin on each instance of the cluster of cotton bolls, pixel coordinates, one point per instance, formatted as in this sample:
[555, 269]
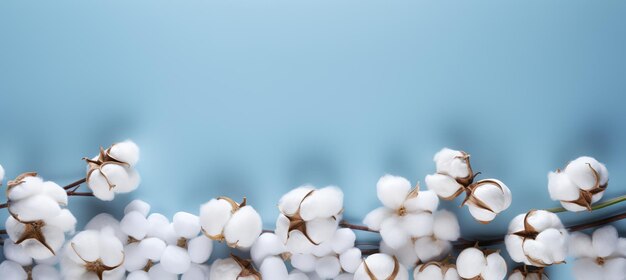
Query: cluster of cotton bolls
[537, 238]
[454, 175]
[600, 256]
[580, 184]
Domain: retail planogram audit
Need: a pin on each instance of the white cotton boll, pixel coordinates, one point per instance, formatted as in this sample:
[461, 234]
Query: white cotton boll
[268, 244]
[104, 220]
[393, 233]
[580, 245]
[16, 253]
[374, 219]
[452, 274]
[406, 254]
[604, 240]
[424, 201]
[30, 186]
[328, 267]
[429, 248]
[350, 260]
[555, 243]
[290, 202]
[480, 214]
[186, 224]
[282, 228]
[470, 263]
[514, 247]
[65, 221]
[495, 268]
[175, 259]
[158, 272]
[54, 191]
[446, 225]
[152, 248]
[323, 249]
[134, 258]
[561, 187]
[274, 268]
[495, 194]
[135, 225]
[12, 270]
[99, 186]
[430, 272]
[37, 207]
[297, 243]
[615, 269]
[297, 275]
[139, 206]
[452, 162]
[244, 227]
[343, 240]
[444, 186]
[160, 227]
[226, 269]
[126, 151]
[214, 215]
[322, 203]
[111, 250]
[321, 229]
[196, 272]
[45, 272]
[541, 219]
[585, 269]
[54, 237]
[200, 249]
[572, 207]
[382, 267]
[303, 262]
[392, 190]
[417, 225]
[124, 179]
[580, 173]
[138, 275]
[537, 253]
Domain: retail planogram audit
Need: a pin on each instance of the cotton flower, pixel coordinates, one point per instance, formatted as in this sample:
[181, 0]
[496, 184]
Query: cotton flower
[436, 271]
[537, 238]
[309, 216]
[599, 256]
[381, 266]
[37, 221]
[406, 214]
[485, 198]
[473, 263]
[580, 184]
[223, 219]
[234, 268]
[527, 274]
[93, 254]
[113, 170]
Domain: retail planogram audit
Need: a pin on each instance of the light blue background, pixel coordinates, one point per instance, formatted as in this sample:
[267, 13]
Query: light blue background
[256, 97]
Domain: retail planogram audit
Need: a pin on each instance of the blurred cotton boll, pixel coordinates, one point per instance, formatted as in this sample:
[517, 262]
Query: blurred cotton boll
[537, 238]
[381, 266]
[601, 256]
[581, 184]
[113, 170]
[487, 265]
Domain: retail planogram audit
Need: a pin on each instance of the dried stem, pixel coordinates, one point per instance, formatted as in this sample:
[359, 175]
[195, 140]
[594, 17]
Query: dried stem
[75, 184]
[73, 193]
[600, 205]
[356, 227]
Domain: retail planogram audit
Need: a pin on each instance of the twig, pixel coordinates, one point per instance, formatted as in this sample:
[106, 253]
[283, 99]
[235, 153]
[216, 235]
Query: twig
[356, 227]
[4, 205]
[80, 194]
[75, 184]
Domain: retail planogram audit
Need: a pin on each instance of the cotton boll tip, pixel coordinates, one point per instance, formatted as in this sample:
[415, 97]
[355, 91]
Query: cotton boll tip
[126, 151]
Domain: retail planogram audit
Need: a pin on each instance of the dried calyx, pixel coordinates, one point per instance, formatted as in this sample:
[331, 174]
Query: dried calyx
[97, 267]
[247, 269]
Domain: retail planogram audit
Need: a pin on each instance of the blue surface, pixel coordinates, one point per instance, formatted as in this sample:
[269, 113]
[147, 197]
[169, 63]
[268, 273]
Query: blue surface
[256, 97]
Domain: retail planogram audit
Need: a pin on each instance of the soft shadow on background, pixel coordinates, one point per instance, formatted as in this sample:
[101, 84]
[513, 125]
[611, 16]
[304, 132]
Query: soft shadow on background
[252, 98]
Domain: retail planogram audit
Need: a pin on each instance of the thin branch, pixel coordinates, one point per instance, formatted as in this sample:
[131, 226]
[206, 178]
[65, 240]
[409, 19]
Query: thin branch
[356, 227]
[3, 231]
[80, 194]
[600, 205]
[75, 184]
[4, 205]
[597, 223]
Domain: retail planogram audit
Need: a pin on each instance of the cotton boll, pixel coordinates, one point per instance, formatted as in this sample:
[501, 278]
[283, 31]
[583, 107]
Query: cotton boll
[33, 208]
[446, 226]
[382, 267]
[417, 225]
[45, 272]
[159, 226]
[429, 248]
[243, 228]
[268, 244]
[196, 272]
[615, 269]
[343, 240]
[12, 270]
[104, 220]
[406, 255]
[98, 184]
[186, 225]
[328, 267]
[158, 272]
[91, 247]
[303, 262]
[65, 221]
[604, 240]
[152, 248]
[274, 268]
[297, 243]
[428, 272]
[495, 268]
[453, 163]
[322, 229]
[289, 203]
[585, 269]
[175, 260]
[16, 253]
[322, 203]
[561, 187]
[323, 249]
[135, 225]
[350, 260]
[126, 151]
[214, 215]
[139, 206]
[138, 275]
[393, 233]
[134, 259]
[122, 178]
[425, 201]
[226, 269]
[392, 190]
[470, 263]
[200, 249]
[374, 219]
[581, 173]
[444, 186]
[297, 275]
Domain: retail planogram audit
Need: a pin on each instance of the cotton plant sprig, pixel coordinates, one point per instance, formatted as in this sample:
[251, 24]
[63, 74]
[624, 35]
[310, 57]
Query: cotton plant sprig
[311, 241]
